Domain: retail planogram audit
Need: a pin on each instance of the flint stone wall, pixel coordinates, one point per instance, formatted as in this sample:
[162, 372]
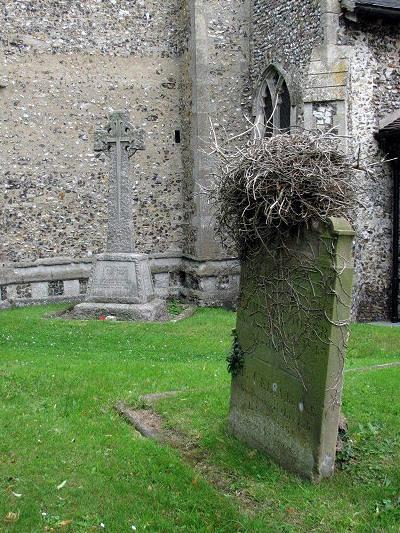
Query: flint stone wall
[67, 64]
[373, 93]
[284, 33]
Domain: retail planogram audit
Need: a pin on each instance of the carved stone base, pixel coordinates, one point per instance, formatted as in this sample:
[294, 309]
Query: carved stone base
[121, 286]
[121, 279]
[211, 282]
[153, 311]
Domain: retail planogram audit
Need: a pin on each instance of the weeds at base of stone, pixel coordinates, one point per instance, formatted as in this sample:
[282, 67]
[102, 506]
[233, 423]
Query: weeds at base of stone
[175, 307]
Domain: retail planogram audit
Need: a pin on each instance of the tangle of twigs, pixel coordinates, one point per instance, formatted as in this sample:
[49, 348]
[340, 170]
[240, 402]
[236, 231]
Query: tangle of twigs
[273, 185]
[271, 196]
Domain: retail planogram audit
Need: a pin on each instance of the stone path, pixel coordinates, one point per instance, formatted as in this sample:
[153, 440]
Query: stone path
[152, 426]
[154, 397]
[374, 367]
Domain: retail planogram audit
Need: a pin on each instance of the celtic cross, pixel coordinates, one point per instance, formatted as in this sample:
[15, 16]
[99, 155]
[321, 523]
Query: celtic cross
[119, 140]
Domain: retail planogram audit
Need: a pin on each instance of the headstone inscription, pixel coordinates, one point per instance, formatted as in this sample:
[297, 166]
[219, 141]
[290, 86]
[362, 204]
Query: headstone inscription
[121, 282]
[292, 334]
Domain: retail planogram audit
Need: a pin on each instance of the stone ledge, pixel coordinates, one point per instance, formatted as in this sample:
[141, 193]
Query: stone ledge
[64, 268]
[212, 267]
[122, 257]
[46, 271]
[153, 311]
[213, 282]
[26, 302]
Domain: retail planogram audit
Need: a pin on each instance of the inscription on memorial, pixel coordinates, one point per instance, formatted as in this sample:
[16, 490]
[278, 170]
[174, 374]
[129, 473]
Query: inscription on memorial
[114, 278]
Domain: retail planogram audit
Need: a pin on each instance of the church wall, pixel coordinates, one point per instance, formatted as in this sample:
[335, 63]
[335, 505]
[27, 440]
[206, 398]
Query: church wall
[186, 104]
[228, 34]
[173, 65]
[67, 64]
[284, 33]
[374, 92]
[220, 94]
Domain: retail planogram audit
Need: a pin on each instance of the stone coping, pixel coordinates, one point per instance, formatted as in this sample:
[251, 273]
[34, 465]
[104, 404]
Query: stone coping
[340, 226]
[118, 257]
[27, 302]
[62, 260]
[65, 268]
[49, 261]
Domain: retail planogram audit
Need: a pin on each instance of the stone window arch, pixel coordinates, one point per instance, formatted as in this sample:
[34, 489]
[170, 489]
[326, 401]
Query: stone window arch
[274, 110]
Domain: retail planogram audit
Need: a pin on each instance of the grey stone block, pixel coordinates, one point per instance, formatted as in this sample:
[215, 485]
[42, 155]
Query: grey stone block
[71, 287]
[12, 292]
[39, 290]
[153, 311]
[161, 280]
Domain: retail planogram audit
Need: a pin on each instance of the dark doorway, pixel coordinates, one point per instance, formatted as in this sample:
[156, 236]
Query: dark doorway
[389, 139]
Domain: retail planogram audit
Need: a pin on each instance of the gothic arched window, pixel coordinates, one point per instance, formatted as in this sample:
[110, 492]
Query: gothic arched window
[274, 107]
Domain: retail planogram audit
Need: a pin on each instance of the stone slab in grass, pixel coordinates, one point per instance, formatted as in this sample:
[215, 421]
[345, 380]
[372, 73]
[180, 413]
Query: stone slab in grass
[291, 335]
[153, 311]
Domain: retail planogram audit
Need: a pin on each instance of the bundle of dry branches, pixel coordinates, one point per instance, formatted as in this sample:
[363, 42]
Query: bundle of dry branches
[274, 185]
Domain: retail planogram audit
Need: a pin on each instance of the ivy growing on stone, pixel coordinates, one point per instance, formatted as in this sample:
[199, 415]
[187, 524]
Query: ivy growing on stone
[235, 359]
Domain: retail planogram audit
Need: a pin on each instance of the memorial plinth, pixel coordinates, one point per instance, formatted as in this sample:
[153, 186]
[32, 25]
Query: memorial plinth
[121, 283]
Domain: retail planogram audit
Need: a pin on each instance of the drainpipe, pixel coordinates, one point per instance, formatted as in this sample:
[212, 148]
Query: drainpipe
[395, 247]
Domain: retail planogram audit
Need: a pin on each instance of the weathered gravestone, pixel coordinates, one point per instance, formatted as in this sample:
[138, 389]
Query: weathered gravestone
[121, 283]
[291, 337]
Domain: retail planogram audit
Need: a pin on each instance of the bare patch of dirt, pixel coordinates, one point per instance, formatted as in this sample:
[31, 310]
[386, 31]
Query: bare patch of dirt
[145, 421]
[68, 314]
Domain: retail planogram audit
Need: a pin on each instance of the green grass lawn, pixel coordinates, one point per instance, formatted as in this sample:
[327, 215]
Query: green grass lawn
[68, 462]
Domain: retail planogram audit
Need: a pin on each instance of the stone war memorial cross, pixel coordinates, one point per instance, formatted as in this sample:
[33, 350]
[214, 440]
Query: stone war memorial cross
[121, 283]
[119, 140]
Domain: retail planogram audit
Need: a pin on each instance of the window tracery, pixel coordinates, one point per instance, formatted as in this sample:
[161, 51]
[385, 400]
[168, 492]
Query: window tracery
[275, 110]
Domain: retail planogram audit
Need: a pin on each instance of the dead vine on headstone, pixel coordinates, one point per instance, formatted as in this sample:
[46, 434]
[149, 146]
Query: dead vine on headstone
[265, 193]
